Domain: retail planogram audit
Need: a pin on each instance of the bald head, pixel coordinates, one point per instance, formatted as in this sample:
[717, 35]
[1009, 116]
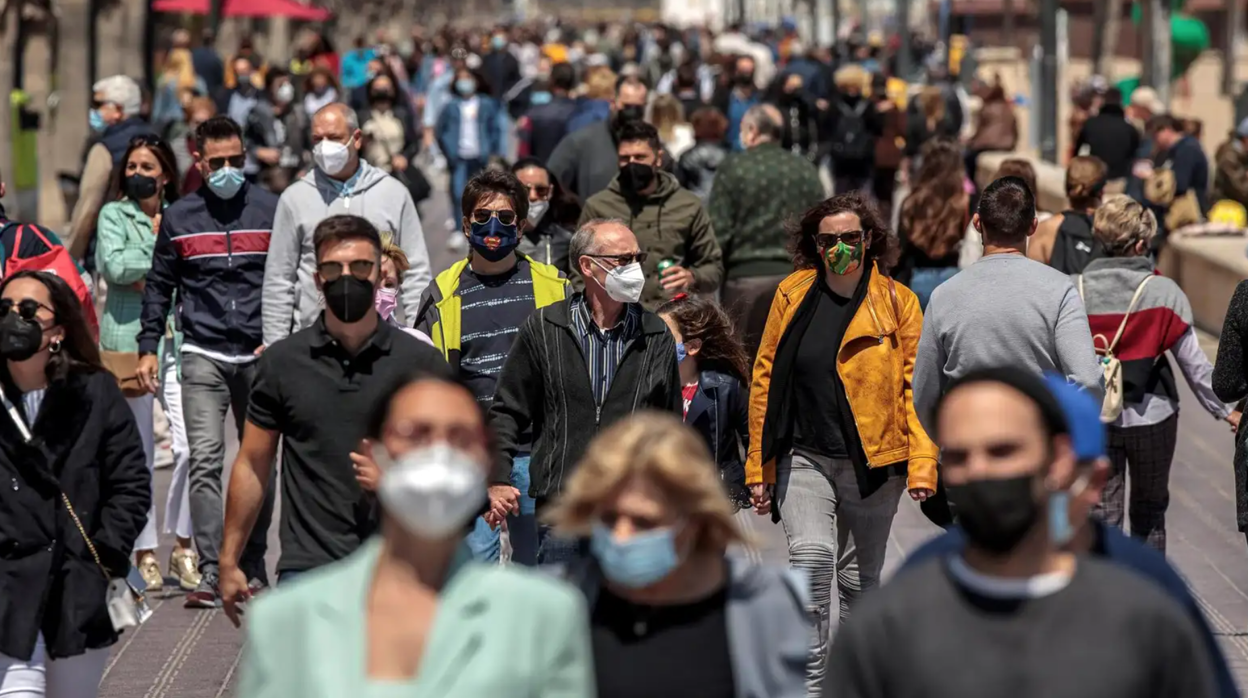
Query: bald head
[609, 237]
[336, 123]
[762, 123]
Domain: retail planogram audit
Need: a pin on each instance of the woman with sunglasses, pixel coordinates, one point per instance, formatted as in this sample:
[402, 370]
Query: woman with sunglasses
[834, 439]
[76, 492]
[146, 183]
[553, 212]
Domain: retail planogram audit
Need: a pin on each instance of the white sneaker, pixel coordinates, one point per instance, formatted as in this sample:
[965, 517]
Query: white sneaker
[457, 244]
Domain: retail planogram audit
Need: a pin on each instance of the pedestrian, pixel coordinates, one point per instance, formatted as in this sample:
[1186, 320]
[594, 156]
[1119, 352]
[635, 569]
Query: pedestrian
[676, 230]
[1178, 186]
[1112, 139]
[388, 126]
[468, 132]
[933, 219]
[628, 363]
[342, 183]
[410, 611]
[696, 168]
[393, 264]
[799, 117]
[596, 99]
[76, 495]
[854, 124]
[209, 255]
[668, 117]
[996, 128]
[474, 311]
[177, 81]
[754, 194]
[207, 61]
[499, 65]
[585, 161]
[1006, 451]
[672, 612]
[735, 99]
[320, 89]
[548, 119]
[714, 379]
[1230, 180]
[127, 230]
[311, 392]
[238, 100]
[834, 440]
[277, 133]
[929, 119]
[1230, 383]
[1065, 241]
[553, 213]
[890, 146]
[1136, 317]
[1085, 534]
[973, 243]
[114, 120]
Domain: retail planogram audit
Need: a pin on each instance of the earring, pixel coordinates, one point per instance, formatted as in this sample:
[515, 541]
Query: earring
[55, 345]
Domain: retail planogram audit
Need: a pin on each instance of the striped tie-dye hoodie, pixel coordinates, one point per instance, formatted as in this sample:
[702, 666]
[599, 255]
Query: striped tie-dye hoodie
[1160, 322]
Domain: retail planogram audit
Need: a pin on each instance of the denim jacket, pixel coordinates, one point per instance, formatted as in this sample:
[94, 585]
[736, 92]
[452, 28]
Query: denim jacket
[490, 138]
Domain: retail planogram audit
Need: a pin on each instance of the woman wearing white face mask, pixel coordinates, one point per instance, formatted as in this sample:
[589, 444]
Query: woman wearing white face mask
[553, 212]
[410, 614]
[672, 613]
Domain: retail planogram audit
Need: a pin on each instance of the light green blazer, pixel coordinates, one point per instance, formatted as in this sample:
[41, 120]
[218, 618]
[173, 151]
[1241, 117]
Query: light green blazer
[498, 632]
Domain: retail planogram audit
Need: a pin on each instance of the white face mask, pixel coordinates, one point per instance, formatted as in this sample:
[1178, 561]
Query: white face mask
[537, 209]
[331, 156]
[285, 93]
[624, 284]
[433, 491]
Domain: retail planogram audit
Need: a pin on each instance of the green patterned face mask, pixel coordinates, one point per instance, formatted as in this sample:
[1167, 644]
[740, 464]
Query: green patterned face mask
[843, 259]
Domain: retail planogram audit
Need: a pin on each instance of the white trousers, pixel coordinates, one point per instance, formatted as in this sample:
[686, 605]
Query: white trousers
[71, 677]
[178, 504]
[143, 409]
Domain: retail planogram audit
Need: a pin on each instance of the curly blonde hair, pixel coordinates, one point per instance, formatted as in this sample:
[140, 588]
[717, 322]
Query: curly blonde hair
[659, 447]
[1121, 222]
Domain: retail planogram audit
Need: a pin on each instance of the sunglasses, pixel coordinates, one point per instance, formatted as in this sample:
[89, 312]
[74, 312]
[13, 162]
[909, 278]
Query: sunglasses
[622, 259]
[361, 269]
[483, 216]
[27, 308]
[235, 161]
[849, 237]
[541, 191]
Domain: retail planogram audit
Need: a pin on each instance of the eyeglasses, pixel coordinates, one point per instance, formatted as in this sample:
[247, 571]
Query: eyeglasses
[622, 259]
[483, 216]
[27, 308]
[361, 269]
[849, 237]
[541, 190]
[235, 161]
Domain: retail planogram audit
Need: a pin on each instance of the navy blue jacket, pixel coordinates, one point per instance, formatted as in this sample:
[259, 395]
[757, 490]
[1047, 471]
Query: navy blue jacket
[211, 252]
[1111, 544]
[720, 412]
[548, 124]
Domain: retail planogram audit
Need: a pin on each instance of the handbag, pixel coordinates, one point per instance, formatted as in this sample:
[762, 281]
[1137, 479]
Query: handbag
[127, 606]
[124, 365]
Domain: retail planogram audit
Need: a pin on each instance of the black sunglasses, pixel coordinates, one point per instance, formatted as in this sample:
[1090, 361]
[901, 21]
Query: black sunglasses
[622, 259]
[483, 216]
[27, 308]
[361, 269]
[849, 237]
[235, 161]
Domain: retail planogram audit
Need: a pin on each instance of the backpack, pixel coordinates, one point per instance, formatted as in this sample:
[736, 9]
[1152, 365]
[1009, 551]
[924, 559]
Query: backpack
[56, 260]
[1075, 246]
[1111, 367]
[850, 140]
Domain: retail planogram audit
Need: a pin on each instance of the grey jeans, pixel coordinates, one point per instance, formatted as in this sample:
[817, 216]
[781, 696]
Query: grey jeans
[209, 389]
[834, 536]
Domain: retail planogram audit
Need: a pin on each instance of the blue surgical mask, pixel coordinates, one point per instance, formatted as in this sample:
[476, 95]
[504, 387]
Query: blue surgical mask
[498, 42]
[539, 98]
[680, 352]
[493, 240]
[96, 120]
[226, 182]
[465, 86]
[1060, 528]
[638, 562]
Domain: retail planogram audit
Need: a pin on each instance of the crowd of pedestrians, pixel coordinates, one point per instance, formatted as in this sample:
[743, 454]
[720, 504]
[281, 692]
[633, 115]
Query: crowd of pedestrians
[696, 278]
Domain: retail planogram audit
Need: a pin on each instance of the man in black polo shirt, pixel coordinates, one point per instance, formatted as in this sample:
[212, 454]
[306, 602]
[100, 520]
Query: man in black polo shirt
[313, 392]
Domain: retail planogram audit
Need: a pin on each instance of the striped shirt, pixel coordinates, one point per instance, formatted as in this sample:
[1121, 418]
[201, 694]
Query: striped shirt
[604, 350]
[492, 308]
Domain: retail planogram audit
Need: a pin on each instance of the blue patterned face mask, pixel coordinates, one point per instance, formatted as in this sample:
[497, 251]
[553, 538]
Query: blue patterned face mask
[493, 240]
[638, 562]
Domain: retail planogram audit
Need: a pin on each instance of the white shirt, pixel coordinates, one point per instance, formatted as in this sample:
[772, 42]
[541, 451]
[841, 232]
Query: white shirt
[469, 132]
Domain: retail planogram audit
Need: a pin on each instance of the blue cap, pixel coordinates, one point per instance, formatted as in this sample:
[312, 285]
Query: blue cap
[1083, 417]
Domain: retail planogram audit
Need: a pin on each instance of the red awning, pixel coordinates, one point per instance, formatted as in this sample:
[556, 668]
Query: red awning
[246, 8]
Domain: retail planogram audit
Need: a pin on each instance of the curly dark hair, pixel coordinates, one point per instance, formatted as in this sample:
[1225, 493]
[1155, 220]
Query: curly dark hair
[704, 319]
[881, 243]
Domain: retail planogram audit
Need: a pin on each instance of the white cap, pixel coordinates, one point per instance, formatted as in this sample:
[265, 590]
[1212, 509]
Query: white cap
[122, 91]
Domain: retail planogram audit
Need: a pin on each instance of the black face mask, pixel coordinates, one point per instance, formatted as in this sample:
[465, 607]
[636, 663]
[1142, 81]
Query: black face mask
[635, 176]
[140, 187]
[19, 339]
[387, 97]
[629, 114]
[745, 79]
[996, 514]
[349, 298]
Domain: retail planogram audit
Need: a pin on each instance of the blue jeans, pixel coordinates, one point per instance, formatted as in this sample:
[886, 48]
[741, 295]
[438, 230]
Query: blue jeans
[556, 550]
[285, 577]
[461, 171]
[522, 528]
[926, 279]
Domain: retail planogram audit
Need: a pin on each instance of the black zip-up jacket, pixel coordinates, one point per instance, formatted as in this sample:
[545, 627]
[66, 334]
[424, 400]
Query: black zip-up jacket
[1110, 137]
[211, 252]
[545, 387]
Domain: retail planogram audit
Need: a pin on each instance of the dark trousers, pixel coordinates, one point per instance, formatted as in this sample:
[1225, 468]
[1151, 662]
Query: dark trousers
[1145, 453]
[884, 185]
[748, 302]
[553, 549]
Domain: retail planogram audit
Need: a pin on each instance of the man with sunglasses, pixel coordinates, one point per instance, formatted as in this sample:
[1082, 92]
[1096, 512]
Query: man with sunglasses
[474, 310]
[599, 348]
[210, 254]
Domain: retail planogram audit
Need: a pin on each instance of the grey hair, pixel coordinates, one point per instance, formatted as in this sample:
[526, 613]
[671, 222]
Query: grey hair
[122, 91]
[352, 119]
[582, 242]
[763, 118]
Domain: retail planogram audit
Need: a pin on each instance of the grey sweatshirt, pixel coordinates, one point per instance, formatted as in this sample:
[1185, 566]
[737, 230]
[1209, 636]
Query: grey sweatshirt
[1004, 310]
[291, 300]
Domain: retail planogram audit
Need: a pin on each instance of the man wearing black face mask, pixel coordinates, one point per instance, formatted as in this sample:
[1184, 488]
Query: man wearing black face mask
[585, 160]
[736, 99]
[1024, 611]
[669, 221]
[313, 392]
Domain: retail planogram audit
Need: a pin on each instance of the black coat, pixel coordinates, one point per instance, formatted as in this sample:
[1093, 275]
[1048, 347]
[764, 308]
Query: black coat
[720, 412]
[86, 445]
[1110, 137]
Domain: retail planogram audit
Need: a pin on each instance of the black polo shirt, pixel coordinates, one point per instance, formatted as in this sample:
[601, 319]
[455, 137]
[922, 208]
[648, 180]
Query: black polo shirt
[318, 397]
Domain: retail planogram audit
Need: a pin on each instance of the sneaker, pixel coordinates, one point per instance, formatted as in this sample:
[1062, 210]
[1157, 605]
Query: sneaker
[457, 244]
[205, 594]
[150, 569]
[184, 567]
[257, 586]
